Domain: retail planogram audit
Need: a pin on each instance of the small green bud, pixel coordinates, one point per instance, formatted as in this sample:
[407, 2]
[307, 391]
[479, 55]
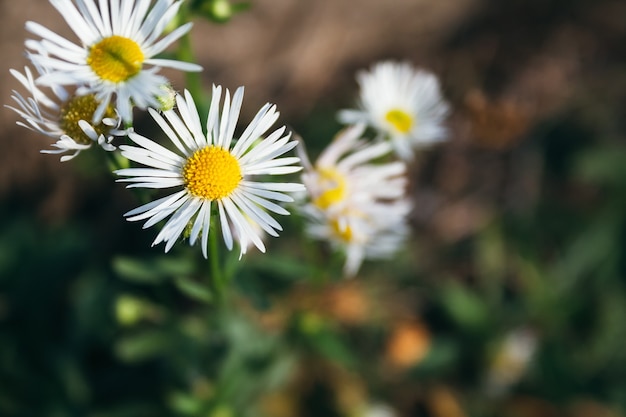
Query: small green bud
[167, 98]
[221, 10]
[128, 310]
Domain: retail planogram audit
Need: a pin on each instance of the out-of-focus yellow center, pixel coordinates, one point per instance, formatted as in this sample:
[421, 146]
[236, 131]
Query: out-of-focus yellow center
[344, 234]
[333, 184]
[400, 120]
[82, 108]
[212, 173]
[115, 58]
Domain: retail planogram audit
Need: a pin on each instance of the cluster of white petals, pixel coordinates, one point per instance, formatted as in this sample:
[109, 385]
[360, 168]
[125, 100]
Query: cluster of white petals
[356, 203]
[113, 68]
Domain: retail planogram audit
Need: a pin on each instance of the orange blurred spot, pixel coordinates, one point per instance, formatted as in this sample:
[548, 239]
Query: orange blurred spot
[443, 403]
[408, 344]
[348, 304]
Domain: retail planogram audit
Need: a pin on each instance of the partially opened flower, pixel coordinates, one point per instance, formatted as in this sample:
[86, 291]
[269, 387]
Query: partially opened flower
[65, 117]
[346, 174]
[116, 53]
[403, 103]
[211, 172]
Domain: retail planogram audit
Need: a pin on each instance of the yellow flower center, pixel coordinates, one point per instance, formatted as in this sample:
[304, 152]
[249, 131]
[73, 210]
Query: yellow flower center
[82, 108]
[334, 185]
[115, 58]
[400, 120]
[344, 234]
[212, 173]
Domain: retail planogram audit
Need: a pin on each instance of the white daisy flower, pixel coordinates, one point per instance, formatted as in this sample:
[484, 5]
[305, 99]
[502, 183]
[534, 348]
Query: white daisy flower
[402, 103]
[211, 172]
[373, 231]
[118, 43]
[65, 117]
[356, 203]
[345, 174]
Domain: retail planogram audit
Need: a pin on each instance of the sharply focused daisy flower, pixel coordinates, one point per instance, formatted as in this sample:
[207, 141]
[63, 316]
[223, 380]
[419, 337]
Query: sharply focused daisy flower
[345, 173]
[211, 172]
[372, 231]
[65, 117]
[402, 103]
[118, 43]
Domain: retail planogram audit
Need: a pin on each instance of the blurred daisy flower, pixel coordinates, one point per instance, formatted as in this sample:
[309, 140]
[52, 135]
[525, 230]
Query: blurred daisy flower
[118, 43]
[511, 359]
[403, 103]
[345, 173]
[211, 172]
[65, 117]
[356, 202]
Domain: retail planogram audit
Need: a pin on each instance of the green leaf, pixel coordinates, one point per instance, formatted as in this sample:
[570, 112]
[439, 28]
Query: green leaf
[143, 346]
[185, 404]
[442, 355]
[596, 248]
[605, 166]
[329, 345]
[151, 271]
[464, 306]
[279, 266]
[194, 289]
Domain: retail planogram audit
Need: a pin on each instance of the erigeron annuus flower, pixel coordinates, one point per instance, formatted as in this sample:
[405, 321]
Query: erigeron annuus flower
[357, 203]
[65, 117]
[345, 173]
[116, 55]
[371, 231]
[403, 103]
[211, 172]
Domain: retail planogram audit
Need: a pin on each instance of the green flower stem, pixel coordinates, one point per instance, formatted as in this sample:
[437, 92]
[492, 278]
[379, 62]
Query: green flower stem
[193, 83]
[217, 279]
[116, 161]
[231, 266]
